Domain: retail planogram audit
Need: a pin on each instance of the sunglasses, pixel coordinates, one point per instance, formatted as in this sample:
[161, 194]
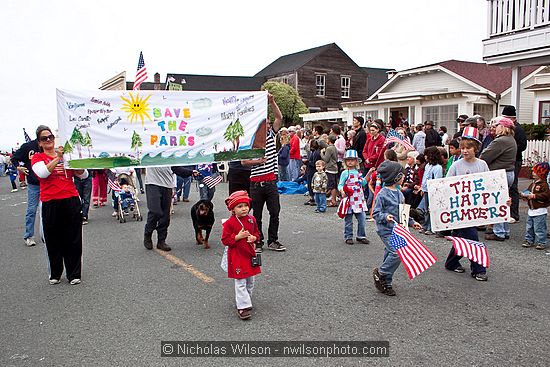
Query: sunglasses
[46, 138]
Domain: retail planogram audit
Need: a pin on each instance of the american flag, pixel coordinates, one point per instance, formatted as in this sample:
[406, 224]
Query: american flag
[212, 180]
[415, 256]
[393, 132]
[112, 182]
[473, 250]
[399, 140]
[27, 137]
[141, 74]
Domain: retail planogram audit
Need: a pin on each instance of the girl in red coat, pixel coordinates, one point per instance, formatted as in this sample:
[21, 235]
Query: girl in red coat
[239, 233]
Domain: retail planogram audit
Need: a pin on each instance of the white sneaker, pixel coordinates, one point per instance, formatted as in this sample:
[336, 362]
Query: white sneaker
[512, 221]
[75, 281]
[54, 281]
[14, 190]
[114, 214]
[30, 241]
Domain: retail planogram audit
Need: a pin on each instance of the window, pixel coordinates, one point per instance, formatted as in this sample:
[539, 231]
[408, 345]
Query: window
[441, 115]
[544, 113]
[320, 85]
[284, 80]
[411, 115]
[484, 110]
[372, 114]
[345, 84]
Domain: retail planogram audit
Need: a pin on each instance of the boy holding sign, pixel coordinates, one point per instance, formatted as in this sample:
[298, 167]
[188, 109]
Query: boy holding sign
[469, 146]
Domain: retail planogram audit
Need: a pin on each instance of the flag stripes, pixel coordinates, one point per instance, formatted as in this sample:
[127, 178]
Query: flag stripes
[415, 256]
[473, 250]
[141, 74]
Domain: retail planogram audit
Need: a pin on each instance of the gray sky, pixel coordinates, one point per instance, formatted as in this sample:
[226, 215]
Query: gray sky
[76, 45]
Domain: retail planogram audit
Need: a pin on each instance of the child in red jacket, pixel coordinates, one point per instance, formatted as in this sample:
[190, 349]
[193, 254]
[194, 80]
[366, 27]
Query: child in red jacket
[239, 233]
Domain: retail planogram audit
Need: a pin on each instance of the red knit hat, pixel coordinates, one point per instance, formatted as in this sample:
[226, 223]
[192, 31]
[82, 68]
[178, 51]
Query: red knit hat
[236, 198]
[542, 169]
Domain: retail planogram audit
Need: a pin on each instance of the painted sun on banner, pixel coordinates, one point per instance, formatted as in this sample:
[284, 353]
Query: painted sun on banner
[105, 129]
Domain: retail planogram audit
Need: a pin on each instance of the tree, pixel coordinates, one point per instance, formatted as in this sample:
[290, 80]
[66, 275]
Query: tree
[136, 143]
[289, 101]
[87, 142]
[68, 149]
[76, 140]
[233, 133]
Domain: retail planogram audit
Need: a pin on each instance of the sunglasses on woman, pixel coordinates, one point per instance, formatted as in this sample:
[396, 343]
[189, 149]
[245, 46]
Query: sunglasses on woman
[46, 138]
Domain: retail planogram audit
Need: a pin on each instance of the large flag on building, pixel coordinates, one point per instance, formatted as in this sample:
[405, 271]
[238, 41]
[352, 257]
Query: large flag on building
[415, 256]
[141, 73]
[473, 250]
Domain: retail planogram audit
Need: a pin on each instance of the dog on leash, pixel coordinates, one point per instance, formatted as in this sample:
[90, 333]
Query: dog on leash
[202, 214]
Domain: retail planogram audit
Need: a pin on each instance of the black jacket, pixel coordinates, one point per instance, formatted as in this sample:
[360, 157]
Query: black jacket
[24, 155]
[432, 138]
[521, 140]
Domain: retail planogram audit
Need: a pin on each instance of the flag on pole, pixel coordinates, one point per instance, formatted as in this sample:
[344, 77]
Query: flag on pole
[212, 180]
[415, 256]
[27, 137]
[141, 73]
[473, 250]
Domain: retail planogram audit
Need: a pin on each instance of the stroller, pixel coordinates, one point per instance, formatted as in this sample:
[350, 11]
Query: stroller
[126, 203]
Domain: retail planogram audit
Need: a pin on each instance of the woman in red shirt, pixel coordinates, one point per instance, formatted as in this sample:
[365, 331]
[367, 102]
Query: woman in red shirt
[374, 147]
[61, 209]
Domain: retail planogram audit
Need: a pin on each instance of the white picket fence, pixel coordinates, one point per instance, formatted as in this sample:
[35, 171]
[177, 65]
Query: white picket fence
[537, 151]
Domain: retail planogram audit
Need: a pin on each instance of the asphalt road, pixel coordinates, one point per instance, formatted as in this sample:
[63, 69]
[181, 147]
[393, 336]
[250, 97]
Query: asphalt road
[131, 299]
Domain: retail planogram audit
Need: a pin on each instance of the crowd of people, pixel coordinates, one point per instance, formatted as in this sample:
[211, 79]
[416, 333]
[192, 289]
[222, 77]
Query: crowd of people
[367, 171]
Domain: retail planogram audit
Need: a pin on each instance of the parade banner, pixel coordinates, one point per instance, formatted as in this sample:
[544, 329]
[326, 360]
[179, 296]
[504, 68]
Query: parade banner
[105, 129]
[468, 201]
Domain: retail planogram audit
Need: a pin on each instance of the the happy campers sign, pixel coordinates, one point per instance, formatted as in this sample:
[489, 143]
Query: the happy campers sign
[469, 200]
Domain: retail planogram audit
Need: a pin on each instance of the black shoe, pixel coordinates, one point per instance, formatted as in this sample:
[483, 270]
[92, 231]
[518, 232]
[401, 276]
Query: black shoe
[142, 191]
[276, 246]
[379, 281]
[458, 269]
[482, 277]
[389, 291]
[148, 241]
[163, 246]
[362, 240]
[259, 247]
[494, 237]
[349, 241]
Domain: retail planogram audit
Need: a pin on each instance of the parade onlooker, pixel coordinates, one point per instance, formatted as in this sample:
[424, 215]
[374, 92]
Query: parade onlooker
[314, 156]
[349, 141]
[239, 233]
[374, 147]
[294, 153]
[445, 139]
[521, 144]
[419, 139]
[501, 154]
[330, 156]
[538, 199]
[461, 120]
[351, 186]
[411, 181]
[386, 214]
[432, 137]
[360, 137]
[61, 208]
[469, 145]
[319, 187]
[340, 144]
[400, 149]
[454, 152]
[283, 159]
[12, 173]
[22, 160]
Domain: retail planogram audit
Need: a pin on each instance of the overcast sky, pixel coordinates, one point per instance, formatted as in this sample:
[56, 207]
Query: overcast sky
[76, 45]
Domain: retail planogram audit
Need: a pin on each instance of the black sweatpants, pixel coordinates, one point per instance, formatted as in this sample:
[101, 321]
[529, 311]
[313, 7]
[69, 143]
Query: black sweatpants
[159, 200]
[62, 222]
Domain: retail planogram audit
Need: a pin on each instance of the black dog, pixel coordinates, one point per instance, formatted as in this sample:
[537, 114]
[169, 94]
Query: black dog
[202, 214]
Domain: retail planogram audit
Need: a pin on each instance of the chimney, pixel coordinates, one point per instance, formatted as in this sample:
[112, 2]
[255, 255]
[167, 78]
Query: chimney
[157, 81]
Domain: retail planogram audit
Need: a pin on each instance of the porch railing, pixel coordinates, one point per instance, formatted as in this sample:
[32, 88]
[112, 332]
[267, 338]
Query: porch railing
[509, 16]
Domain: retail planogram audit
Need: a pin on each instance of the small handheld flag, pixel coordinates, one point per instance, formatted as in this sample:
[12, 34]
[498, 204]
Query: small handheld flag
[27, 137]
[473, 250]
[415, 256]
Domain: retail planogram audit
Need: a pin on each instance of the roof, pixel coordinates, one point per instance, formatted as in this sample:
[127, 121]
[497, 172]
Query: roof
[539, 86]
[144, 86]
[376, 78]
[292, 62]
[217, 82]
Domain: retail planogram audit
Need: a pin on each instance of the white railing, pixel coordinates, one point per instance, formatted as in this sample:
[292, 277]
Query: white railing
[537, 151]
[507, 16]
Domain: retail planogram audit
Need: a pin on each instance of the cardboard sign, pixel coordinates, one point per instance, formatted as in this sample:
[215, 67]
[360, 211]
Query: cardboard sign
[469, 200]
[105, 129]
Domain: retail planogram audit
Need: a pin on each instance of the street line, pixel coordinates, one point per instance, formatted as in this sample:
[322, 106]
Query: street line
[190, 268]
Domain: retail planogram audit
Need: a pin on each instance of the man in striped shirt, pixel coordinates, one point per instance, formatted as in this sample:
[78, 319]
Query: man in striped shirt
[263, 184]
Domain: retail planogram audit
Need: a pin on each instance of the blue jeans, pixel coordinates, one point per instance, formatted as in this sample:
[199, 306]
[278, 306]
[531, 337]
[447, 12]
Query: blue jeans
[348, 225]
[283, 173]
[205, 192]
[33, 198]
[294, 169]
[425, 205]
[187, 186]
[84, 188]
[179, 186]
[535, 231]
[321, 201]
[503, 229]
[391, 260]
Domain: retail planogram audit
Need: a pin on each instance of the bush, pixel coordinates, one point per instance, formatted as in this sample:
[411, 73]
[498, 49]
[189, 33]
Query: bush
[534, 132]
